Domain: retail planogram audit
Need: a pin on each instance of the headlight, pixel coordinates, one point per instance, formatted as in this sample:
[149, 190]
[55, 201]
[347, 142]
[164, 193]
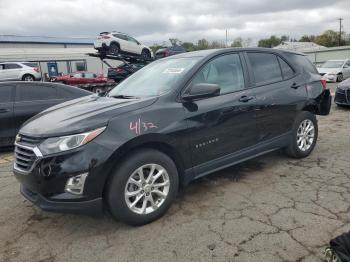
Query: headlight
[59, 144]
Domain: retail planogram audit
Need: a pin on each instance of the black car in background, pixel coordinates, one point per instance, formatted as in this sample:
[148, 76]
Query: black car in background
[169, 51]
[20, 101]
[121, 72]
[342, 94]
[177, 119]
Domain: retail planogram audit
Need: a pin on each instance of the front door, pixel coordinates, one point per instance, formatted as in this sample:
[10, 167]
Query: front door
[7, 130]
[222, 125]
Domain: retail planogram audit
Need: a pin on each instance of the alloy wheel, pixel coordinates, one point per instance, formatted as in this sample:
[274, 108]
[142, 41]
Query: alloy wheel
[147, 188]
[305, 135]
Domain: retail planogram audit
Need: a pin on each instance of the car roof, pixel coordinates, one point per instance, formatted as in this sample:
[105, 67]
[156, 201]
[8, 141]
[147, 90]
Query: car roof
[204, 53]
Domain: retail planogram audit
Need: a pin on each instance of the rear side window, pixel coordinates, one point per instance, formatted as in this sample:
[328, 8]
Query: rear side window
[304, 62]
[11, 66]
[5, 94]
[265, 68]
[287, 71]
[35, 93]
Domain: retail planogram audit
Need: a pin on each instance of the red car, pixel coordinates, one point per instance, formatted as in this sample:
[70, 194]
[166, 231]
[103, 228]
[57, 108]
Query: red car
[82, 78]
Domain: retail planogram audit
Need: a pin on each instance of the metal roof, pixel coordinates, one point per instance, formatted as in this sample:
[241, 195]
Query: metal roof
[46, 40]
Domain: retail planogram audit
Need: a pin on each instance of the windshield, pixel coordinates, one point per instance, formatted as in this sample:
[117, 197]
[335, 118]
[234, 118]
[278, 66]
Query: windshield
[333, 64]
[155, 79]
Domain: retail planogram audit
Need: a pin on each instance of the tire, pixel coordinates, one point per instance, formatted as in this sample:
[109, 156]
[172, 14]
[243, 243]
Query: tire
[295, 149]
[28, 78]
[113, 49]
[146, 54]
[340, 78]
[120, 205]
[98, 90]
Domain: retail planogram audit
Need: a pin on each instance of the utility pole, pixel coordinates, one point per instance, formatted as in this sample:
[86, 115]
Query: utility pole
[340, 29]
[226, 38]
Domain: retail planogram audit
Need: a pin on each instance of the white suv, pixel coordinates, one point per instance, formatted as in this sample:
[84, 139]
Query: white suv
[116, 42]
[23, 71]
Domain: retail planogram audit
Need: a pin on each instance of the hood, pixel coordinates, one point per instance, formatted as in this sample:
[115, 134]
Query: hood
[322, 70]
[80, 115]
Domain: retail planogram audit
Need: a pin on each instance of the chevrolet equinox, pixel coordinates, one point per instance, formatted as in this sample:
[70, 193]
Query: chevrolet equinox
[175, 120]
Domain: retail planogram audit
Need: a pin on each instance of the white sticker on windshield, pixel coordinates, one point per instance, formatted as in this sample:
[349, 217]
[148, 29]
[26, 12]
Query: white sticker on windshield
[173, 70]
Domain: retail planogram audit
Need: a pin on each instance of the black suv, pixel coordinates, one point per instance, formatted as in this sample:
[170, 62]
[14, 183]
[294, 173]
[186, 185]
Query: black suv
[173, 121]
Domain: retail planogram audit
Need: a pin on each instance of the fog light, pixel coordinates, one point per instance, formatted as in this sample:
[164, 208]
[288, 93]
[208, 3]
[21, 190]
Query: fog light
[75, 184]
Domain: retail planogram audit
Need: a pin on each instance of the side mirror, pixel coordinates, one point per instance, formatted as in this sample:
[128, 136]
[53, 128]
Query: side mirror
[201, 90]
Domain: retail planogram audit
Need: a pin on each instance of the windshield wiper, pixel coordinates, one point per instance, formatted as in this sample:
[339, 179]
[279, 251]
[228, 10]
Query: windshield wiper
[125, 97]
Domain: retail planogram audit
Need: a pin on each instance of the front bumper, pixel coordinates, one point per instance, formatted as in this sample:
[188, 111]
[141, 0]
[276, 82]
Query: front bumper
[330, 78]
[45, 181]
[89, 207]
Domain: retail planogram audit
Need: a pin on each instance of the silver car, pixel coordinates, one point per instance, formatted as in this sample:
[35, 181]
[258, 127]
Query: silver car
[335, 70]
[23, 71]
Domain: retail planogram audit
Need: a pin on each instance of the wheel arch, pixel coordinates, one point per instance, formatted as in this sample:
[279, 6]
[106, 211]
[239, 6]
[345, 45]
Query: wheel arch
[27, 74]
[146, 142]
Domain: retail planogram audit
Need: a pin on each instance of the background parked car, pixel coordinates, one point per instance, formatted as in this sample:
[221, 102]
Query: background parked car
[20, 101]
[123, 71]
[116, 42]
[169, 51]
[22, 71]
[342, 94]
[78, 78]
[335, 70]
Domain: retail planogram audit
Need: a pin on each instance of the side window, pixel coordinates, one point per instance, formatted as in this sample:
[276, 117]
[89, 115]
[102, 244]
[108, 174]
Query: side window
[265, 68]
[348, 63]
[35, 93]
[11, 66]
[77, 75]
[287, 71]
[1, 66]
[5, 94]
[304, 62]
[226, 71]
[132, 40]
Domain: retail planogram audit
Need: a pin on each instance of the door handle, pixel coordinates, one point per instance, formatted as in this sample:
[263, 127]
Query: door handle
[4, 110]
[294, 86]
[245, 99]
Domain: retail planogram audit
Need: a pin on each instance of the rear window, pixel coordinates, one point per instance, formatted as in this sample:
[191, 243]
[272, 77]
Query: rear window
[30, 64]
[305, 63]
[265, 68]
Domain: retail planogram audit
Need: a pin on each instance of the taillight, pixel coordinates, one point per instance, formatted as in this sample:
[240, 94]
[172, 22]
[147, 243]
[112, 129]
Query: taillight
[166, 53]
[119, 70]
[36, 69]
[324, 84]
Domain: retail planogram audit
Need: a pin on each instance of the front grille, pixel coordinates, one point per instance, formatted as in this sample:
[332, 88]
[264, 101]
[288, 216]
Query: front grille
[24, 158]
[29, 140]
[25, 152]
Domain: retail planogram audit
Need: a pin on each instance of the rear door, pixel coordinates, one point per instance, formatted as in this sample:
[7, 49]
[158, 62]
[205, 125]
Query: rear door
[123, 42]
[7, 130]
[12, 71]
[225, 124]
[32, 99]
[134, 45]
[277, 92]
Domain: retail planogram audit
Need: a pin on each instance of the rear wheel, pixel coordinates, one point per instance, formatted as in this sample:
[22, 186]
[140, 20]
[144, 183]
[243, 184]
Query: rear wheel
[113, 49]
[304, 136]
[28, 78]
[146, 54]
[143, 187]
[340, 78]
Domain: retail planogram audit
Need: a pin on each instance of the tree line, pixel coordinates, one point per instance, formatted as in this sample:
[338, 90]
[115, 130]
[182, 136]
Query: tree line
[328, 38]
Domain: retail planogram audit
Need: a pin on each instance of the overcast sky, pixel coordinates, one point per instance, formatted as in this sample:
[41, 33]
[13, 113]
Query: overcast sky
[153, 21]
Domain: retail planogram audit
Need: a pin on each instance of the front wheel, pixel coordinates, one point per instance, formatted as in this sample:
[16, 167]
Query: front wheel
[146, 54]
[28, 78]
[304, 136]
[143, 187]
[340, 78]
